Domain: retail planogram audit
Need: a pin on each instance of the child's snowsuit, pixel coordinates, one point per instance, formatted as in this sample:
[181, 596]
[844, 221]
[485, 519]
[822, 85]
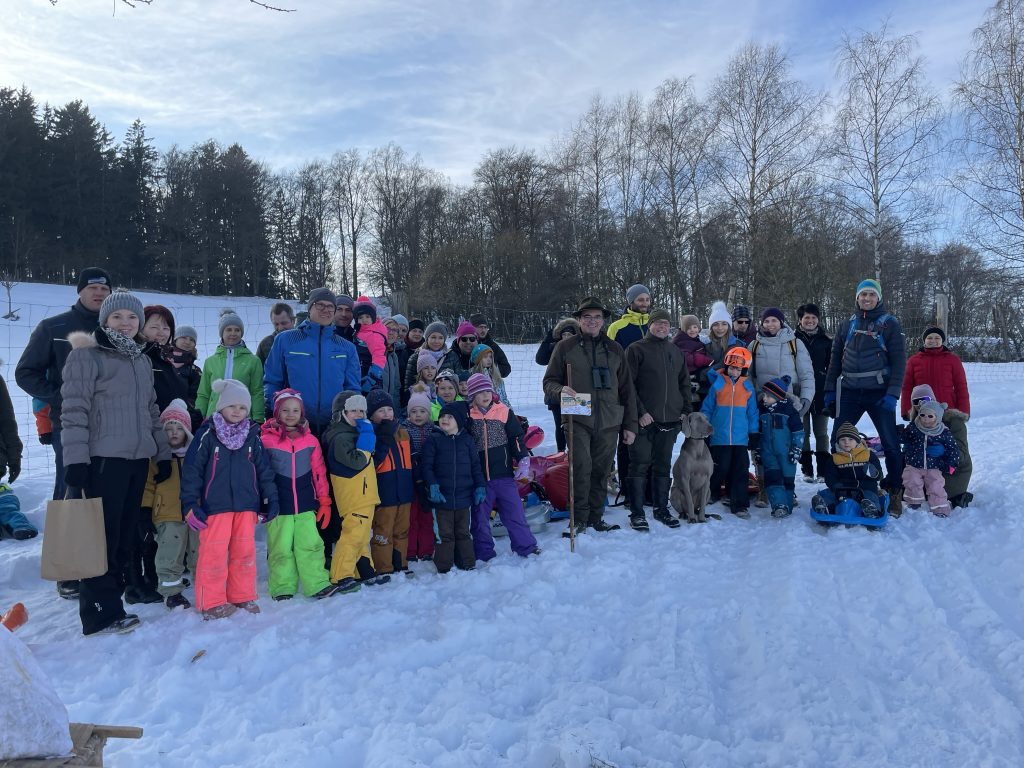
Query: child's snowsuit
[174, 539]
[227, 489]
[392, 458]
[349, 455]
[421, 521]
[375, 337]
[927, 459]
[782, 430]
[499, 440]
[731, 407]
[852, 475]
[13, 524]
[295, 550]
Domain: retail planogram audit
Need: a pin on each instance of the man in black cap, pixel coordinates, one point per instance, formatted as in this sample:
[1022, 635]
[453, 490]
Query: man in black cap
[483, 335]
[39, 371]
[743, 325]
[598, 367]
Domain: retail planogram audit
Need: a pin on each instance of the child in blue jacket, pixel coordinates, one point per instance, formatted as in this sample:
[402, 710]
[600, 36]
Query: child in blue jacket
[782, 440]
[450, 465]
[731, 407]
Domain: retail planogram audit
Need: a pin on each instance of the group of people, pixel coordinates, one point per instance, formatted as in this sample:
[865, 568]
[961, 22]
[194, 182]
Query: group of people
[765, 388]
[364, 442]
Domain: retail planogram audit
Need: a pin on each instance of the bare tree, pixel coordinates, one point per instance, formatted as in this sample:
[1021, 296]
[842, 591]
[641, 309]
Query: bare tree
[9, 279]
[887, 135]
[350, 187]
[990, 97]
[768, 125]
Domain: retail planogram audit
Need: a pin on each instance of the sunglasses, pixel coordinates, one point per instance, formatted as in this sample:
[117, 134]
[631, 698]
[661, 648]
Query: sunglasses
[742, 322]
[467, 338]
[919, 400]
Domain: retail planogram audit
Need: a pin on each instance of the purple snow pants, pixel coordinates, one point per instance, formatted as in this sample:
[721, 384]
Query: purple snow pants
[503, 494]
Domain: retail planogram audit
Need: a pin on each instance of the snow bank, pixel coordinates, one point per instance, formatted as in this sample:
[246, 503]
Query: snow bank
[33, 722]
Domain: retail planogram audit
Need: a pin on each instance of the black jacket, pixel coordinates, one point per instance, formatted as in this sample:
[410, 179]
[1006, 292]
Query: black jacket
[167, 382]
[10, 442]
[819, 347]
[40, 369]
[452, 463]
[662, 381]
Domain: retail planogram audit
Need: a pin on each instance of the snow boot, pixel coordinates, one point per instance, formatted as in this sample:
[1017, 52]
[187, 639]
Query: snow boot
[870, 509]
[581, 528]
[136, 589]
[119, 626]
[742, 513]
[635, 501]
[68, 589]
[602, 527]
[177, 601]
[219, 612]
[249, 605]
[807, 466]
[661, 510]
[348, 584]
[330, 589]
[818, 505]
[896, 502]
[781, 511]
[962, 500]
[279, 598]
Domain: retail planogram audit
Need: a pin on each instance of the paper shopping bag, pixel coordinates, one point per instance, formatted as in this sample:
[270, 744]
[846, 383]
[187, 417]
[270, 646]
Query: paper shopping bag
[74, 541]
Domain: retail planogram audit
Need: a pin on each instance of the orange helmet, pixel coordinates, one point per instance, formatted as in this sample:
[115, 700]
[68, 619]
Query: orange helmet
[739, 357]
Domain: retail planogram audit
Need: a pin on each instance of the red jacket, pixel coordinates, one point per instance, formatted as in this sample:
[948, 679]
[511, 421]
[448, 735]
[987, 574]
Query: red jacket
[943, 372]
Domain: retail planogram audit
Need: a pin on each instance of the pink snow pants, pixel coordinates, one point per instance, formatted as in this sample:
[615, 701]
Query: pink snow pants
[921, 483]
[226, 569]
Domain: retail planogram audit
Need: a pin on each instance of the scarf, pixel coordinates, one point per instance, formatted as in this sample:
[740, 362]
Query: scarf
[232, 435]
[180, 452]
[123, 345]
[931, 431]
[176, 357]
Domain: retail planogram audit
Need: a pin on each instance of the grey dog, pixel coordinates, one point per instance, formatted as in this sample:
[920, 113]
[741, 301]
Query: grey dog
[691, 474]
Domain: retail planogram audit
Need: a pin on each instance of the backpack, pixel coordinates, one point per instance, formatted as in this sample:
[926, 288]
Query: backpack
[753, 355]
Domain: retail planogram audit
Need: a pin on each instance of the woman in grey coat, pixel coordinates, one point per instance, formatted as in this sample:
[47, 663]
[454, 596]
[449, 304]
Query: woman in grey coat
[777, 352]
[111, 430]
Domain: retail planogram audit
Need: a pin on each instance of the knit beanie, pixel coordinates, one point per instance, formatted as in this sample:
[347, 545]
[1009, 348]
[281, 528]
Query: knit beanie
[686, 321]
[343, 300]
[436, 327]
[416, 324]
[377, 399]
[922, 390]
[478, 318]
[846, 429]
[447, 374]
[163, 312]
[186, 332]
[418, 400]
[774, 312]
[659, 314]
[363, 306]
[177, 412]
[479, 350]
[92, 276]
[320, 294]
[634, 291]
[777, 388]
[288, 394]
[465, 328]
[869, 284]
[118, 300]
[353, 402]
[402, 321]
[228, 317]
[425, 361]
[457, 411]
[231, 392]
[478, 383]
[808, 309]
[338, 403]
[741, 312]
[934, 329]
[719, 314]
[932, 406]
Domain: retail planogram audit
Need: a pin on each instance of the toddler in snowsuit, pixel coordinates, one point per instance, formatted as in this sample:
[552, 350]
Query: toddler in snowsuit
[853, 473]
[374, 335]
[295, 550]
[731, 407]
[421, 523]
[698, 361]
[392, 458]
[499, 440]
[929, 452]
[782, 439]
[348, 447]
[161, 500]
[451, 470]
[13, 524]
[226, 486]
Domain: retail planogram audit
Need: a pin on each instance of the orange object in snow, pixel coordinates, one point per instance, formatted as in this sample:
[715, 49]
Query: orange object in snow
[15, 617]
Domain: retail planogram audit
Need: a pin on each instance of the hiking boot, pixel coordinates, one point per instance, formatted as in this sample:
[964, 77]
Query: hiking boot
[177, 601]
[219, 612]
[638, 522]
[742, 513]
[330, 589]
[279, 598]
[136, 594]
[347, 585]
[665, 517]
[660, 486]
[870, 509]
[962, 500]
[896, 502]
[818, 505]
[249, 605]
[581, 528]
[781, 511]
[68, 589]
[119, 626]
[635, 502]
[602, 527]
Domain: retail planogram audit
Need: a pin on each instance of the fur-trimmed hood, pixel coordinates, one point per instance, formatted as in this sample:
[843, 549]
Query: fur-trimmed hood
[82, 340]
[565, 324]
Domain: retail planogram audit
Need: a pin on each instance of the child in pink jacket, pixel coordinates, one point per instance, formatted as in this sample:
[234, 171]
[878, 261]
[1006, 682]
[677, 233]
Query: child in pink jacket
[374, 335]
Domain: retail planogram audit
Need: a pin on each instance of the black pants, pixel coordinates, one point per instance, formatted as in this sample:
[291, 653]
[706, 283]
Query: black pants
[556, 414]
[453, 530]
[732, 462]
[119, 482]
[651, 451]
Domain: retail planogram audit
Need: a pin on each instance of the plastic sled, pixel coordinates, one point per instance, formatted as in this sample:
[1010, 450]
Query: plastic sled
[847, 512]
[537, 512]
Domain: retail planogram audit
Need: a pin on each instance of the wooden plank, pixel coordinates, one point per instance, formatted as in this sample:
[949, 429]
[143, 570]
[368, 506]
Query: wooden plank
[118, 731]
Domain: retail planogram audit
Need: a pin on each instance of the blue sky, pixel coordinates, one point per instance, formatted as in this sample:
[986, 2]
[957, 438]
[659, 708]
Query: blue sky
[445, 78]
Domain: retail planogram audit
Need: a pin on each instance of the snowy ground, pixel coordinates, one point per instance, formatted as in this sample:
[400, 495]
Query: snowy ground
[736, 643]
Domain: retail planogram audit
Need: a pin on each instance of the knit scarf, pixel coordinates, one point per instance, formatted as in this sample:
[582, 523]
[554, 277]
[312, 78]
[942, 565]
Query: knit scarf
[232, 435]
[931, 431]
[123, 345]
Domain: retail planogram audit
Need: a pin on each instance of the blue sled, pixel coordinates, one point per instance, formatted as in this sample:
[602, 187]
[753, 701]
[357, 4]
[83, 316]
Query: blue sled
[848, 513]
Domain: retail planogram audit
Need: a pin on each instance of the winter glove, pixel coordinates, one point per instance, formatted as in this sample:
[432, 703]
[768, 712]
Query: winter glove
[194, 521]
[13, 470]
[269, 513]
[372, 378]
[323, 515]
[76, 475]
[523, 470]
[435, 494]
[163, 471]
[805, 406]
[367, 440]
[830, 405]
[794, 453]
[935, 451]
[479, 495]
[46, 438]
[888, 402]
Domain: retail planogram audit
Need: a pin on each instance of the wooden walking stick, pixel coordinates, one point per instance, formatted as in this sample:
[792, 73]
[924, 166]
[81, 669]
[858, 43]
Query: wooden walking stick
[572, 504]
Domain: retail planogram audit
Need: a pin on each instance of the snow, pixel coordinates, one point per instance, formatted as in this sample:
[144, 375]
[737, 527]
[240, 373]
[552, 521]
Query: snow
[735, 643]
[32, 719]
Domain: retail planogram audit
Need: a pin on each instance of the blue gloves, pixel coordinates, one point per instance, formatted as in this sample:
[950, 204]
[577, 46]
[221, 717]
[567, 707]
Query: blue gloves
[479, 495]
[830, 404]
[888, 402]
[794, 454]
[435, 494]
[936, 450]
[367, 440]
[372, 378]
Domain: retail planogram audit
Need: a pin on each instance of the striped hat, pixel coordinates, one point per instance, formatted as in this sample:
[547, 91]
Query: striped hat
[288, 394]
[777, 388]
[846, 429]
[869, 284]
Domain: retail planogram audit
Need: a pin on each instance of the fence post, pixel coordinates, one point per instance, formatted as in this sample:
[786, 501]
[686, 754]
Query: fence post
[942, 312]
